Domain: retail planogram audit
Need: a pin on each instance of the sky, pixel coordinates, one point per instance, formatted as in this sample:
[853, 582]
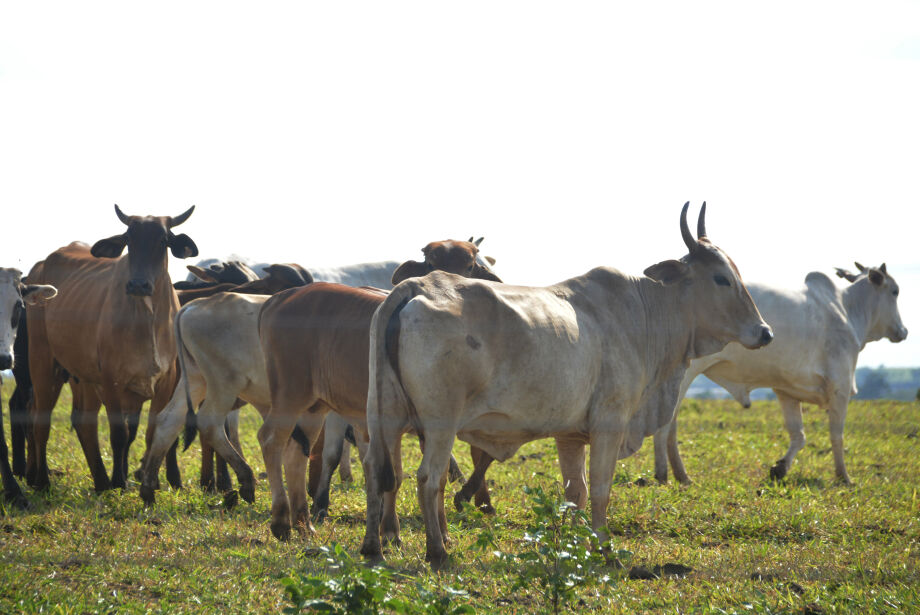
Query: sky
[568, 135]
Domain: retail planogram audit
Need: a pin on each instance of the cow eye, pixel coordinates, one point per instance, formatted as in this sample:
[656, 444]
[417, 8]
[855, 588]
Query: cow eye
[721, 280]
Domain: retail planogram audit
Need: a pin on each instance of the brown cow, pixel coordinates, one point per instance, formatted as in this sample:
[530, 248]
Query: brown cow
[110, 329]
[315, 343]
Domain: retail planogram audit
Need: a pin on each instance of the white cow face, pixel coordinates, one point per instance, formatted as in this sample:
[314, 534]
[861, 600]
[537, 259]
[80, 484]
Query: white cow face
[13, 297]
[720, 307]
[882, 313]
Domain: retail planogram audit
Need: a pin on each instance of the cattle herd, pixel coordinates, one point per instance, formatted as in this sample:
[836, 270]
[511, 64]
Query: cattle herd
[603, 359]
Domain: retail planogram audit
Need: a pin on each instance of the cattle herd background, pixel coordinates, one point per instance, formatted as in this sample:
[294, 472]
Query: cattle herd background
[329, 357]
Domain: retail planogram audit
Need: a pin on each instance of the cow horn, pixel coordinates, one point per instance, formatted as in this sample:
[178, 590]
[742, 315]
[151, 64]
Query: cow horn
[685, 230]
[180, 218]
[861, 268]
[883, 269]
[122, 216]
[701, 222]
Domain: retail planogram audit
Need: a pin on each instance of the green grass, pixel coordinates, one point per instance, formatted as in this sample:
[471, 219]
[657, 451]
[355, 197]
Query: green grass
[806, 546]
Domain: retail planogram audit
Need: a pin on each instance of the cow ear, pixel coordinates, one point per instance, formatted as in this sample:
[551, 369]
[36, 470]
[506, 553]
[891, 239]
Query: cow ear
[876, 276]
[202, 274]
[34, 294]
[410, 269]
[481, 273]
[109, 248]
[286, 274]
[846, 275]
[490, 260]
[667, 272]
[182, 246]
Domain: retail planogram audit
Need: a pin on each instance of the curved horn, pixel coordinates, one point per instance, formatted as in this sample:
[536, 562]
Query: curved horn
[685, 230]
[180, 218]
[861, 268]
[701, 222]
[122, 216]
[883, 269]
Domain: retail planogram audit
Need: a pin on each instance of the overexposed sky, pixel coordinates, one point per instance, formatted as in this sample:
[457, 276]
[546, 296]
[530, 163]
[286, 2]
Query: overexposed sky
[568, 134]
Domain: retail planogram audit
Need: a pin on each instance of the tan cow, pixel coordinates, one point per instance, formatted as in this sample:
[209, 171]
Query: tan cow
[592, 357]
[110, 329]
[315, 343]
[14, 296]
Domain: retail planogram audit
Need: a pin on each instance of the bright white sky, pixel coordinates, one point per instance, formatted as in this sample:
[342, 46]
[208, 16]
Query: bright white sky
[568, 134]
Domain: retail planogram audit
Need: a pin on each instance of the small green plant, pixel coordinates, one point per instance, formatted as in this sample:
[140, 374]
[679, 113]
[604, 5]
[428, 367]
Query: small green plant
[562, 554]
[346, 587]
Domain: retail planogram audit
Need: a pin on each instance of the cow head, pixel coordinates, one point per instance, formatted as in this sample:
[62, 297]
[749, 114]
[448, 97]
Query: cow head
[230, 272]
[13, 297]
[147, 238]
[459, 257]
[722, 308]
[278, 277]
[885, 319]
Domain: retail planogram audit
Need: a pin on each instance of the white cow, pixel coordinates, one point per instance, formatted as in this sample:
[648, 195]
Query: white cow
[593, 357]
[14, 294]
[819, 330]
[221, 360]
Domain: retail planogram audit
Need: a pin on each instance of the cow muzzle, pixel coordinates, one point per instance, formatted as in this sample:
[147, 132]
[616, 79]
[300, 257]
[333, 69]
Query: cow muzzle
[899, 334]
[6, 361]
[761, 336]
[139, 288]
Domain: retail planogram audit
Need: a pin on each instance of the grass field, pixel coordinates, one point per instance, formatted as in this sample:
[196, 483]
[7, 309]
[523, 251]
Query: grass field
[806, 546]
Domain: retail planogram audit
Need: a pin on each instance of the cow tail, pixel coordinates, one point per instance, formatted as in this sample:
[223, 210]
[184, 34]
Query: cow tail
[191, 421]
[388, 387]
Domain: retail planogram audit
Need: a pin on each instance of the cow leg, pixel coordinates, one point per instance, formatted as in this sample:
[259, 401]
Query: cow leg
[389, 522]
[47, 385]
[11, 490]
[232, 429]
[378, 470]
[476, 483]
[345, 474]
[661, 452]
[84, 418]
[432, 477]
[605, 445]
[316, 466]
[273, 438]
[838, 415]
[211, 418]
[206, 479]
[295, 475]
[333, 440]
[572, 467]
[162, 395]
[792, 417]
[169, 423]
[19, 423]
[673, 455]
[118, 438]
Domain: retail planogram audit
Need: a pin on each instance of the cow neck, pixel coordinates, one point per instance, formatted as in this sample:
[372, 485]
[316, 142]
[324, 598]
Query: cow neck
[669, 333]
[144, 313]
[860, 302]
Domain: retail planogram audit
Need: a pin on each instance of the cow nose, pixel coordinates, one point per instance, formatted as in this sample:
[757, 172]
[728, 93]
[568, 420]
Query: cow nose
[766, 335]
[6, 361]
[902, 334]
[142, 288]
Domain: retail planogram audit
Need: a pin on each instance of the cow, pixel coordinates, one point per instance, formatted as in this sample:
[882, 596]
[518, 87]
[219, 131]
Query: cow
[14, 296]
[820, 330]
[498, 365]
[315, 343]
[110, 330]
[230, 272]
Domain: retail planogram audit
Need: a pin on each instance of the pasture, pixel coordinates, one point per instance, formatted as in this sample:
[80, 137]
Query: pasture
[807, 545]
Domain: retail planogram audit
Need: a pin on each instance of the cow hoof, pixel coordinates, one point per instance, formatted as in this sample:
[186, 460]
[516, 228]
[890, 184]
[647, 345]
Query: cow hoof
[208, 486]
[147, 494]
[459, 501]
[139, 474]
[320, 515]
[248, 493]
[778, 471]
[391, 540]
[371, 551]
[224, 484]
[437, 558]
[487, 509]
[231, 499]
[304, 527]
[281, 530]
[17, 501]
